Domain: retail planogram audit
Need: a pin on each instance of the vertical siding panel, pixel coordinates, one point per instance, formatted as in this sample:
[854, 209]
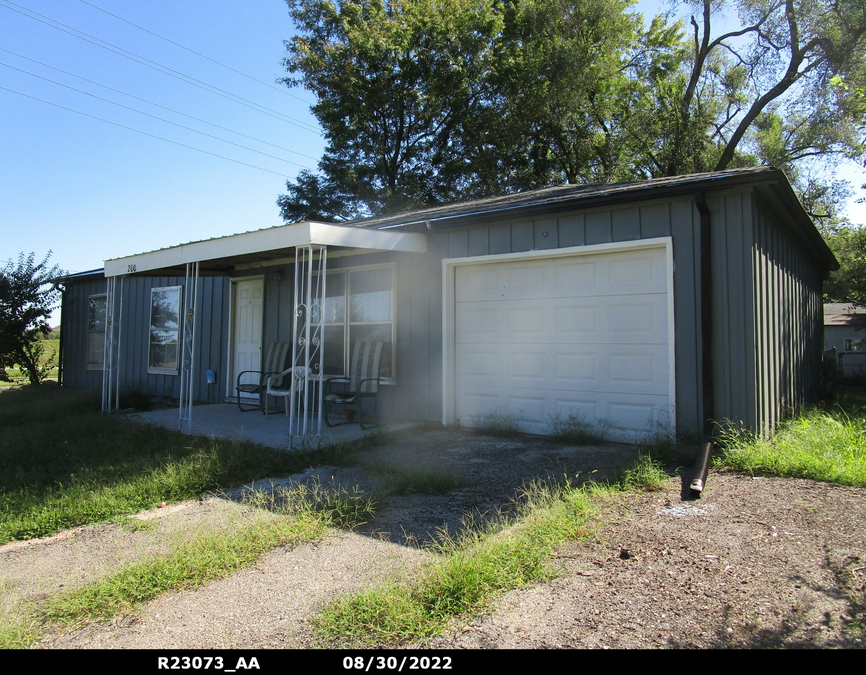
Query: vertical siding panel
[436, 252]
[500, 238]
[655, 221]
[739, 294]
[683, 225]
[598, 228]
[416, 382]
[625, 224]
[458, 244]
[572, 231]
[545, 234]
[478, 242]
[723, 360]
[764, 322]
[750, 374]
[521, 236]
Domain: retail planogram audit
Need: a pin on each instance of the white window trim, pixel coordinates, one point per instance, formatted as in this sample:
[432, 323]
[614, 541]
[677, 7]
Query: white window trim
[89, 365]
[347, 323]
[165, 371]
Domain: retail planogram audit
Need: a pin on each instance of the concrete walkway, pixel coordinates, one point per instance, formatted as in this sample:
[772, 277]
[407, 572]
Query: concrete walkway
[224, 420]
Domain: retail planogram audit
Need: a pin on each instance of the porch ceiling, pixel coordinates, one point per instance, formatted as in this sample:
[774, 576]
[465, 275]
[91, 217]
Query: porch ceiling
[222, 254]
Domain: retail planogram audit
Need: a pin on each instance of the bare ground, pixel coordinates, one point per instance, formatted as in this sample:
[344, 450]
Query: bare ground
[757, 562]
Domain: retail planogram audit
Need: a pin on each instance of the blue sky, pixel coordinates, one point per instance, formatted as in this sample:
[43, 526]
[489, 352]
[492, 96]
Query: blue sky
[90, 190]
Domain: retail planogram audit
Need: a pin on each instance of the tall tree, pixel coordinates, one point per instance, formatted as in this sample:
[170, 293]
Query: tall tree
[559, 69]
[765, 89]
[27, 298]
[424, 102]
[394, 81]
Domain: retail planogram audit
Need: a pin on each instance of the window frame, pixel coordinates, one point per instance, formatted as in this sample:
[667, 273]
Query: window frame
[347, 322]
[93, 333]
[157, 370]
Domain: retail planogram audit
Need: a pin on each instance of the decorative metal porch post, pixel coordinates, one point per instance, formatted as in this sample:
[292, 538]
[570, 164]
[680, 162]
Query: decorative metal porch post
[308, 342]
[187, 345]
[111, 346]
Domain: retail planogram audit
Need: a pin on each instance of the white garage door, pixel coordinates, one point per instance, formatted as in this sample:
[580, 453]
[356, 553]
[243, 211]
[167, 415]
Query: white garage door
[584, 334]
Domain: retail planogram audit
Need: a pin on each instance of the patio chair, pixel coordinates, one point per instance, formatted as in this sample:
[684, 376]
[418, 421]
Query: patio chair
[274, 364]
[285, 384]
[363, 382]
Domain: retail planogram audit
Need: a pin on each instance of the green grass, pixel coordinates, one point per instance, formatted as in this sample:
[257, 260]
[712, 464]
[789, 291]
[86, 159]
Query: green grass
[645, 475]
[481, 564]
[825, 445]
[301, 513]
[426, 479]
[473, 569]
[62, 464]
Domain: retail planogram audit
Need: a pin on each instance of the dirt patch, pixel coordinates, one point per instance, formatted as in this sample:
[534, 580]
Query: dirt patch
[754, 563]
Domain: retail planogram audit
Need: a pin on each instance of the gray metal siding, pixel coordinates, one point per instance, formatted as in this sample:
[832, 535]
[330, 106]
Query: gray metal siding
[788, 324]
[73, 321]
[763, 287]
[734, 310]
[677, 219]
[211, 338]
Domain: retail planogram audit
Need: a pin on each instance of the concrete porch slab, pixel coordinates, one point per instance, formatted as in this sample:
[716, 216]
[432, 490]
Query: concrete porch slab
[224, 420]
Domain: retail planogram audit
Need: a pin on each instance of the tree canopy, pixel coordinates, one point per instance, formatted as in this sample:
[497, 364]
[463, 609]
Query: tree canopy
[27, 298]
[424, 102]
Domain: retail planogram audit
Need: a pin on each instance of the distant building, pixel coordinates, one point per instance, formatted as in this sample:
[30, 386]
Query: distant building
[845, 331]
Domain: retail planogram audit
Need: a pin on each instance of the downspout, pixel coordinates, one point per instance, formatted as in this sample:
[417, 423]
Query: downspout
[705, 450]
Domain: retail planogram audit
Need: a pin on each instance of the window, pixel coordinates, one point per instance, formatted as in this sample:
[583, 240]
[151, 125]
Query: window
[853, 345]
[359, 305]
[164, 330]
[96, 308]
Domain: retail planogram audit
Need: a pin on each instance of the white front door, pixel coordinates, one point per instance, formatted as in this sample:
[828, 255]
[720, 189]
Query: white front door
[248, 301]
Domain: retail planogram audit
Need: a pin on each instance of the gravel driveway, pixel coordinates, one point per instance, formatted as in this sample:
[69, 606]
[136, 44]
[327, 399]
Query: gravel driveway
[755, 563]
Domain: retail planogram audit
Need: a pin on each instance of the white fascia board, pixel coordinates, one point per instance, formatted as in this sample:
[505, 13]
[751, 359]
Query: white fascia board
[276, 238]
[359, 237]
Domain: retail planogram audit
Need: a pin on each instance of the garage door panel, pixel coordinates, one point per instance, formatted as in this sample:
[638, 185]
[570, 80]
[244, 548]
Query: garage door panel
[637, 319]
[624, 320]
[576, 370]
[592, 368]
[572, 276]
[580, 318]
[644, 371]
[624, 417]
[604, 275]
[524, 321]
[636, 272]
[584, 334]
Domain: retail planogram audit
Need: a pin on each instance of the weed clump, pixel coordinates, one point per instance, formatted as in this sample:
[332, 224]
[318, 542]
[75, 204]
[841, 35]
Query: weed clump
[499, 423]
[646, 474]
[575, 429]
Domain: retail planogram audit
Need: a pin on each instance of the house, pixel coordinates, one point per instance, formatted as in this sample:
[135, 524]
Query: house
[845, 333]
[574, 299]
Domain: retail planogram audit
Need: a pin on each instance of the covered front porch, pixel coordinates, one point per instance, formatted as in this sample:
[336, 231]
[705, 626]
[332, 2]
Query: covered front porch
[224, 420]
[179, 325]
